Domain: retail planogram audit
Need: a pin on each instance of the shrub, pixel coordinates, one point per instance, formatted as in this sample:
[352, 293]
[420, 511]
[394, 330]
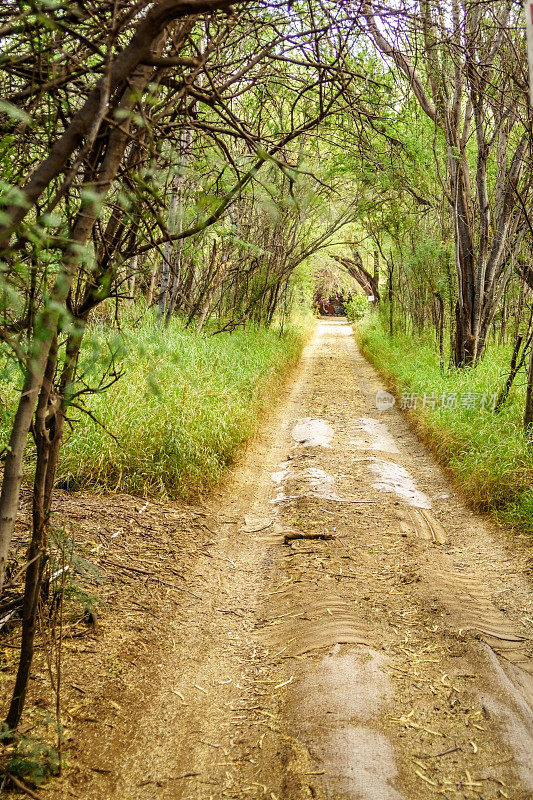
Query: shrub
[357, 308]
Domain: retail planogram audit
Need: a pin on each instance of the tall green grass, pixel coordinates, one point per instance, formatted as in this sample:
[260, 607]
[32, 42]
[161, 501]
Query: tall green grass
[488, 453]
[184, 405]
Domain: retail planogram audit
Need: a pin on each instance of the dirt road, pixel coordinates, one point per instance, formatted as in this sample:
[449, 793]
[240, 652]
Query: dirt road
[354, 631]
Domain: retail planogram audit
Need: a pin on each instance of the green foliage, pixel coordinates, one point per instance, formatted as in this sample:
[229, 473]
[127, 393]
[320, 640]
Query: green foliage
[184, 405]
[357, 308]
[488, 453]
[81, 572]
[29, 758]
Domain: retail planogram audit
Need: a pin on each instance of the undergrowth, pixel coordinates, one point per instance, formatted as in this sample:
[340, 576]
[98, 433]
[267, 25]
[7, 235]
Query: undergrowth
[488, 453]
[28, 757]
[185, 403]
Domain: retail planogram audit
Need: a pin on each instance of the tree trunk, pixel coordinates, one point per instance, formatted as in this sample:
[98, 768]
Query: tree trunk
[391, 297]
[151, 288]
[502, 397]
[376, 280]
[37, 555]
[440, 328]
[528, 412]
[9, 498]
[48, 431]
[167, 252]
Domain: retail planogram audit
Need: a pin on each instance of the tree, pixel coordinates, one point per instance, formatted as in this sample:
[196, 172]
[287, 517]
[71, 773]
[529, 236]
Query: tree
[471, 85]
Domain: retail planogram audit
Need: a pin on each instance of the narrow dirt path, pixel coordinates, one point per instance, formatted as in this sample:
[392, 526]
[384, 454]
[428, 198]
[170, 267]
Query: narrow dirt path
[356, 631]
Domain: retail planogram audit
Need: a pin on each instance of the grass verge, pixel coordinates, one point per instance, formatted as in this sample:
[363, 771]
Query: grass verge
[487, 453]
[184, 405]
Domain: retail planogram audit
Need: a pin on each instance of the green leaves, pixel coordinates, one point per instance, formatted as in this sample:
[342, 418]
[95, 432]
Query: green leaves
[14, 112]
[12, 195]
[50, 220]
[126, 113]
[90, 197]
[357, 308]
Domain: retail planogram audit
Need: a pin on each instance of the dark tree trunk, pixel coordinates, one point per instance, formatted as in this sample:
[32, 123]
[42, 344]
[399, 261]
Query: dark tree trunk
[391, 298]
[43, 431]
[515, 366]
[440, 328]
[528, 413]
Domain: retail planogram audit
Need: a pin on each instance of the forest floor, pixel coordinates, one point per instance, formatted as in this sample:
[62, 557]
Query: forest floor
[239, 656]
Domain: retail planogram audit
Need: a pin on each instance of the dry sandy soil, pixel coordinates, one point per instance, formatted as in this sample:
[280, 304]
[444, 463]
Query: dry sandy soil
[334, 622]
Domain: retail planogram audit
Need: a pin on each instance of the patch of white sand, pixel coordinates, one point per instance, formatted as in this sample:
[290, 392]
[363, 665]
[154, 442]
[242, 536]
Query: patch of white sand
[395, 478]
[312, 432]
[378, 436]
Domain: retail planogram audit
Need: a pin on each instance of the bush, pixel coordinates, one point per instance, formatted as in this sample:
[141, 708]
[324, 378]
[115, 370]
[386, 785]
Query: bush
[357, 308]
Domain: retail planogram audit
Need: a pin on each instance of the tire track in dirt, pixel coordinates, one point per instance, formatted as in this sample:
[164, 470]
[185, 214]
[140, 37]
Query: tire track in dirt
[360, 634]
